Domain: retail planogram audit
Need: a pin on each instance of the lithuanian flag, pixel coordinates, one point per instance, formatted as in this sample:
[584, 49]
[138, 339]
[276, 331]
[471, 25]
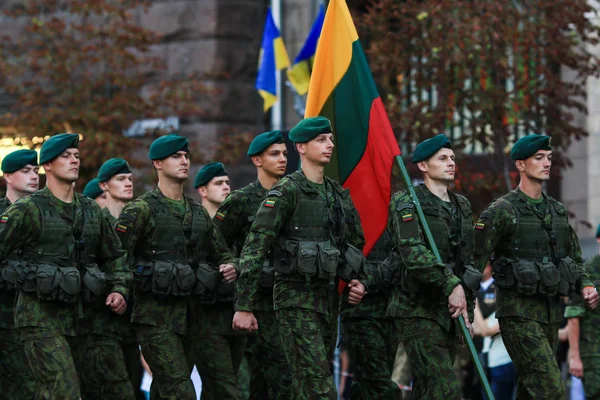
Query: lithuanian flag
[343, 90]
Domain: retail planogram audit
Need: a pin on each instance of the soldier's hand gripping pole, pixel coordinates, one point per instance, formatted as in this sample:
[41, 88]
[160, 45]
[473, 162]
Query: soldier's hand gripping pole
[433, 248]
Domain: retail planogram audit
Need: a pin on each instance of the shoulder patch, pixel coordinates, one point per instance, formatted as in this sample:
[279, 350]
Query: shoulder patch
[269, 203]
[220, 215]
[4, 219]
[407, 217]
[121, 228]
[479, 225]
[127, 216]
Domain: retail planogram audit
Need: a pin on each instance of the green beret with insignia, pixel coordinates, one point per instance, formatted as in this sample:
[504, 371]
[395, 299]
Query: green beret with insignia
[56, 145]
[112, 167]
[309, 128]
[208, 172]
[529, 145]
[167, 145]
[429, 147]
[92, 189]
[263, 141]
[598, 232]
[18, 159]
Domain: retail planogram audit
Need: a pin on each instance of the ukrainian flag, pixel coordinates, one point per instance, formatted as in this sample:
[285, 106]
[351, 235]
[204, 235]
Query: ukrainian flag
[299, 73]
[273, 57]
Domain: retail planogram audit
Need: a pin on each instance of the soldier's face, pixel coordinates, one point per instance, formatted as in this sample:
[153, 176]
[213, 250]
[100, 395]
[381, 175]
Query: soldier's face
[119, 187]
[24, 181]
[216, 190]
[101, 200]
[273, 160]
[441, 166]
[318, 150]
[537, 167]
[65, 167]
[176, 166]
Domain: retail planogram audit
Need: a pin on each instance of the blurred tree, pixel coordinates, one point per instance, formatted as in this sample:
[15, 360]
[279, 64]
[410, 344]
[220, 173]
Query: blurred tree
[484, 73]
[85, 66]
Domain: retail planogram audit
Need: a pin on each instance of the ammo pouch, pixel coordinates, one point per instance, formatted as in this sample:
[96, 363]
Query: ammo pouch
[10, 274]
[549, 278]
[471, 277]
[352, 262]
[207, 280]
[527, 277]
[267, 276]
[569, 274]
[503, 272]
[289, 260]
[55, 283]
[94, 284]
[308, 253]
[327, 262]
[170, 278]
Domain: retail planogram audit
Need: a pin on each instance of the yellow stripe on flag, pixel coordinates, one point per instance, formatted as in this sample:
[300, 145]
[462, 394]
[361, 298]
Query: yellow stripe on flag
[281, 56]
[333, 56]
[269, 99]
[299, 76]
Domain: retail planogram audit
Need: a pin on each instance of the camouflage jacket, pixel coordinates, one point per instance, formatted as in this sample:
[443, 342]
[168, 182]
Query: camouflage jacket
[496, 227]
[419, 265]
[589, 327]
[110, 217]
[275, 212]
[135, 225]
[7, 300]
[22, 224]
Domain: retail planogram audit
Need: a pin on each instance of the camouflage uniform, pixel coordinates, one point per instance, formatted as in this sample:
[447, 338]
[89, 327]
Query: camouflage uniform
[270, 374]
[589, 332]
[536, 260]
[129, 343]
[420, 302]
[16, 379]
[369, 335]
[300, 222]
[168, 242]
[61, 242]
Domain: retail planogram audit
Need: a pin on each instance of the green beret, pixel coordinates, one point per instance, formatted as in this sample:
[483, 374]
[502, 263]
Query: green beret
[208, 172]
[429, 147]
[92, 189]
[264, 140]
[167, 145]
[18, 159]
[112, 167]
[309, 128]
[529, 145]
[56, 145]
[598, 232]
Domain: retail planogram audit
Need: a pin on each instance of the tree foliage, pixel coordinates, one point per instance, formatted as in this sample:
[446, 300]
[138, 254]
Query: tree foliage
[484, 72]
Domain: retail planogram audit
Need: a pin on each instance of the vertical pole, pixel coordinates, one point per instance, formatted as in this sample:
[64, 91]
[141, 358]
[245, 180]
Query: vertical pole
[277, 109]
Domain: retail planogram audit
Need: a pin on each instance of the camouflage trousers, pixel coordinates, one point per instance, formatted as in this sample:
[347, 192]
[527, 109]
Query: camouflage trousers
[16, 379]
[371, 345]
[101, 368]
[591, 378]
[133, 365]
[270, 375]
[51, 363]
[532, 348]
[431, 351]
[218, 360]
[308, 341]
[170, 357]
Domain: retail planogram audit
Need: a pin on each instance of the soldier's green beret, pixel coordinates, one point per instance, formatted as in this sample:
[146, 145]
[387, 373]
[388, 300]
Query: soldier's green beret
[208, 172]
[112, 167]
[92, 189]
[429, 147]
[529, 145]
[309, 128]
[598, 232]
[264, 140]
[56, 145]
[18, 159]
[167, 145]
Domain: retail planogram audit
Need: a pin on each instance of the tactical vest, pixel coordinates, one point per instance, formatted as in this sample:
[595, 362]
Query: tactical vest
[308, 245]
[535, 259]
[62, 254]
[173, 260]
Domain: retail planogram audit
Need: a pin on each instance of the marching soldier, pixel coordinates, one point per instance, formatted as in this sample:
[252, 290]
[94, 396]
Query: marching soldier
[93, 191]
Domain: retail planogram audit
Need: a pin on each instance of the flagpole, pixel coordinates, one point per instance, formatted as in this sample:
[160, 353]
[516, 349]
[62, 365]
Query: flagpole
[432, 246]
[277, 109]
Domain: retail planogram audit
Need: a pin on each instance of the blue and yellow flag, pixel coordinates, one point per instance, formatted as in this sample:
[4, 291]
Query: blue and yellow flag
[299, 73]
[273, 57]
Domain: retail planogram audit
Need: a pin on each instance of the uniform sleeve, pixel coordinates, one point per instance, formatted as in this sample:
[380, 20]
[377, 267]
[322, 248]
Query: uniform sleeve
[19, 224]
[418, 259]
[230, 219]
[496, 222]
[113, 259]
[356, 237]
[575, 308]
[217, 247]
[131, 227]
[272, 214]
[584, 278]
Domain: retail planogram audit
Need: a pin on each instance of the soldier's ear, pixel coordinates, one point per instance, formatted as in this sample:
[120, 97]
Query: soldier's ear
[520, 164]
[256, 161]
[422, 165]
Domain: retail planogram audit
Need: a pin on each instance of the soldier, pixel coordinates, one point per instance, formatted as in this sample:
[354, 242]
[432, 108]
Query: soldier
[310, 224]
[21, 174]
[93, 191]
[70, 254]
[369, 335]
[116, 180]
[584, 331]
[220, 348]
[270, 374]
[431, 293]
[177, 255]
[536, 260]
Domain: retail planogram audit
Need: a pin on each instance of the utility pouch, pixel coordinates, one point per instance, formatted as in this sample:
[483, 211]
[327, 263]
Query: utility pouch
[142, 277]
[307, 260]
[550, 278]
[328, 260]
[567, 269]
[94, 284]
[288, 262]
[69, 286]
[184, 280]
[527, 277]
[162, 277]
